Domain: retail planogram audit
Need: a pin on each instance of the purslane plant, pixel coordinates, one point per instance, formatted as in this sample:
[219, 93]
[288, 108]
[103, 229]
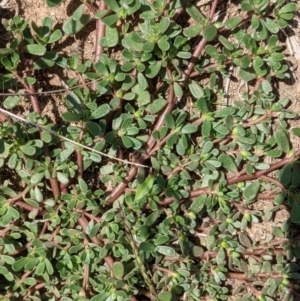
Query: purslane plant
[169, 217]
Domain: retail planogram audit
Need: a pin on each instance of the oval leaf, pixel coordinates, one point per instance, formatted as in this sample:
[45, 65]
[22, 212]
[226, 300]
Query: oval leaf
[282, 140]
[251, 191]
[118, 270]
[210, 32]
[227, 162]
[167, 251]
[144, 188]
[35, 49]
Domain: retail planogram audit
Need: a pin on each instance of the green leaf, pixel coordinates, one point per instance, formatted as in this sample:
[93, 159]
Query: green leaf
[42, 63]
[19, 264]
[189, 129]
[178, 90]
[245, 240]
[233, 22]
[163, 44]
[227, 162]
[49, 267]
[118, 270]
[37, 177]
[274, 153]
[193, 31]
[82, 185]
[286, 174]
[184, 55]
[144, 188]
[101, 111]
[53, 3]
[266, 86]
[165, 250]
[259, 66]
[277, 232]
[95, 157]
[195, 13]
[210, 32]
[207, 147]
[113, 5]
[169, 120]
[143, 83]
[111, 20]
[152, 218]
[111, 36]
[38, 194]
[12, 162]
[11, 101]
[147, 15]
[255, 22]
[247, 74]
[7, 259]
[7, 81]
[101, 14]
[226, 43]
[28, 150]
[246, 6]
[78, 12]
[99, 297]
[143, 98]
[271, 25]
[251, 191]
[198, 203]
[196, 89]
[29, 281]
[146, 247]
[288, 8]
[148, 46]
[164, 296]
[35, 49]
[65, 154]
[94, 128]
[296, 131]
[206, 128]
[40, 268]
[55, 36]
[279, 199]
[157, 105]
[160, 240]
[295, 214]
[72, 26]
[245, 61]
[70, 117]
[277, 57]
[282, 139]
[62, 178]
[153, 69]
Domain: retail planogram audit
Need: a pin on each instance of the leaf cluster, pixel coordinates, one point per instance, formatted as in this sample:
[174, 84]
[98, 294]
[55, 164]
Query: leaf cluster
[170, 216]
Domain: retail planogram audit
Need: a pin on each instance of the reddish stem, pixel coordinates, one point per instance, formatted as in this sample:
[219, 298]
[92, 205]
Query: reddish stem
[36, 107]
[121, 187]
[79, 153]
[83, 222]
[91, 7]
[100, 33]
[172, 102]
[240, 178]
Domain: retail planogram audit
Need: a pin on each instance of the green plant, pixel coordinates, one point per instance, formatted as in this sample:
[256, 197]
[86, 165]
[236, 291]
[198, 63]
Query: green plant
[176, 186]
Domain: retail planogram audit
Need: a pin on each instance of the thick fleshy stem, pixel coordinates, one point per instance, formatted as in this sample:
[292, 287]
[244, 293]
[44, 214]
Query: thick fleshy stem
[36, 107]
[100, 33]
